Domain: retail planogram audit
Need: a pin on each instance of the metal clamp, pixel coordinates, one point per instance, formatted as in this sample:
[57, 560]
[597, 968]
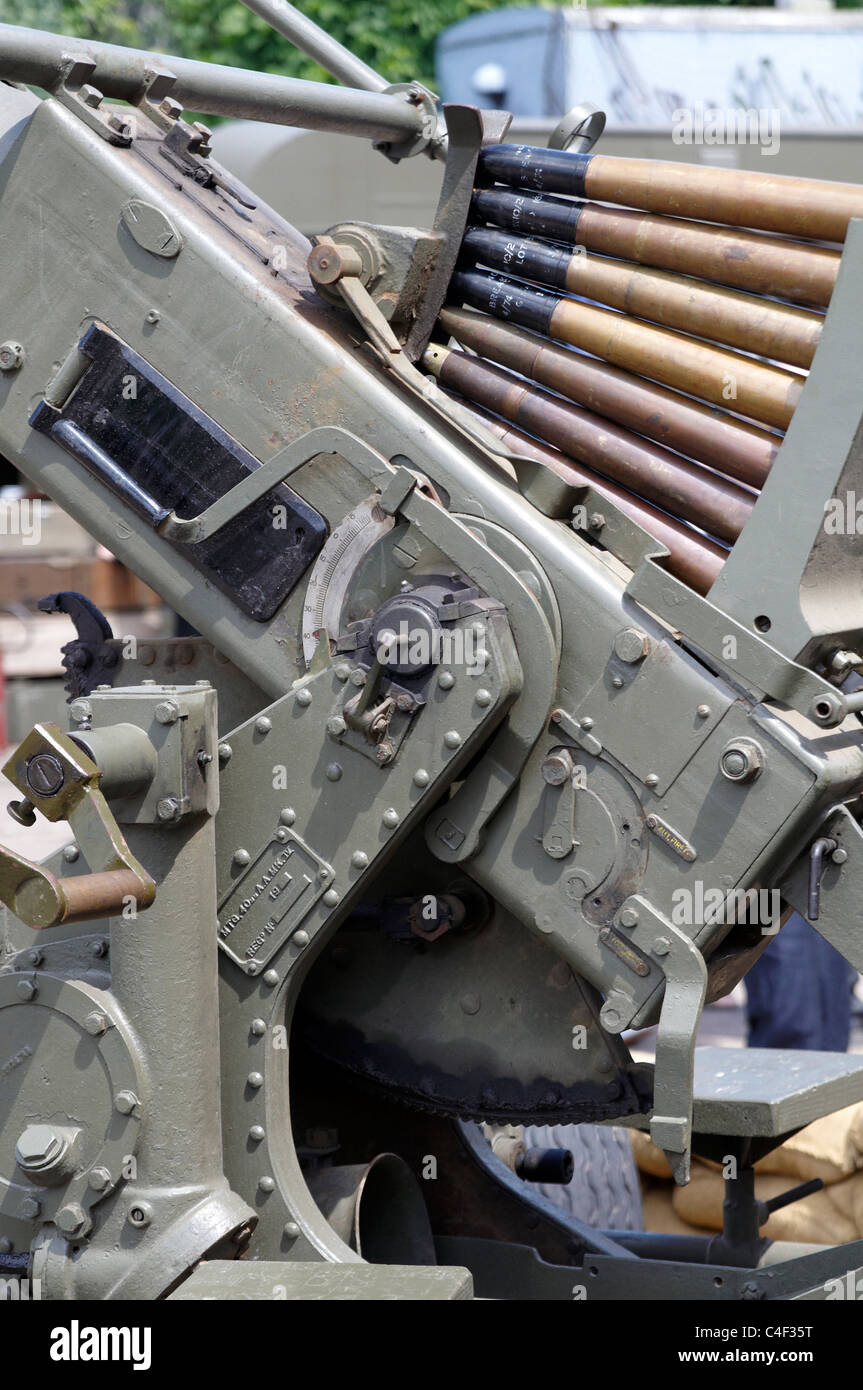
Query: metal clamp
[60, 780]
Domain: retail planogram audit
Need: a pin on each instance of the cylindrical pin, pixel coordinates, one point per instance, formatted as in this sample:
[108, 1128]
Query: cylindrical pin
[701, 432]
[778, 331]
[743, 260]
[779, 203]
[685, 489]
[763, 393]
[693, 558]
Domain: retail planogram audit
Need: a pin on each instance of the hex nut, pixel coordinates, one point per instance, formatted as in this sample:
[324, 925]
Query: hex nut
[741, 760]
[631, 645]
[72, 1220]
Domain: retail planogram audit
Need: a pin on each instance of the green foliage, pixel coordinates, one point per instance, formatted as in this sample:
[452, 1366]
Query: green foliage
[396, 37]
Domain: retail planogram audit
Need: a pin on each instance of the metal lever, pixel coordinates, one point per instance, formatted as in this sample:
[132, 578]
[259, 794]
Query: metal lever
[59, 779]
[826, 845]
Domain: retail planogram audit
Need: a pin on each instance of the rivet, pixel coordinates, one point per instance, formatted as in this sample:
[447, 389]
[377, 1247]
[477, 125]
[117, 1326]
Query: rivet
[421, 777]
[343, 672]
[390, 818]
[257, 1132]
[282, 834]
[258, 1027]
[35, 957]
[470, 1003]
[5, 1245]
[703, 711]
[255, 1079]
[617, 682]
[446, 680]
[336, 726]
[71, 853]
[452, 739]
[226, 752]
[288, 816]
[651, 780]
[292, 1230]
[331, 897]
[359, 860]
[484, 698]
[266, 1184]
[263, 725]
[304, 698]
[586, 722]
[301, 938]
[99, 947]
[271, 977]
[334, 772]
[242, 857]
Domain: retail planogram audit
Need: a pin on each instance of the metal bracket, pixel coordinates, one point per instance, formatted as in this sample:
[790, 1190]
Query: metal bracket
[757, 665]
[74, 92]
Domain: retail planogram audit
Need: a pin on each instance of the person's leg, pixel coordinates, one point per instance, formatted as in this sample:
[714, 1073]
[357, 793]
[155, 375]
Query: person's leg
[797, 992]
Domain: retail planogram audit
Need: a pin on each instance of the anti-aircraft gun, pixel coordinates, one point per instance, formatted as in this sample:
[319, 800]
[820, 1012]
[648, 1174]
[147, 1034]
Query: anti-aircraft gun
[524, 553]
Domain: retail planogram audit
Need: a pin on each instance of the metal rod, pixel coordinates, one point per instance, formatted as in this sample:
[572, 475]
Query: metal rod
[332, 56]
[744, 260]
[766, 394]
[781, 332]
[695, 559]
[701, 432]
[30, 56]
[685, 489]
[739, 197]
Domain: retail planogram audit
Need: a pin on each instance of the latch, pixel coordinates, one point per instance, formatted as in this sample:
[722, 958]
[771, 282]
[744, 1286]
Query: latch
[57, 778]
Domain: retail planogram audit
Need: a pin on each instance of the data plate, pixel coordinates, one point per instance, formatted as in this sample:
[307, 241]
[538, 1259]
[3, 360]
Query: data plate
[270, 898]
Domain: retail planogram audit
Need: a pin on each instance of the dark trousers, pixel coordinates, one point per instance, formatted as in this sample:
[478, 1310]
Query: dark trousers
[799, 992]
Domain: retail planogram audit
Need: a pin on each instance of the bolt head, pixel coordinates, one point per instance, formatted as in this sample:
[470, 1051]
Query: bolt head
[631, 645]
[336, 726]
[557, 768]
[628, 917]
[741, 761]
[11, 356]
[26, 989]
[39, 1145]
[99, 1179]
[167, 712]
[96, 1024]
[125, 1102]
[72, 1219]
